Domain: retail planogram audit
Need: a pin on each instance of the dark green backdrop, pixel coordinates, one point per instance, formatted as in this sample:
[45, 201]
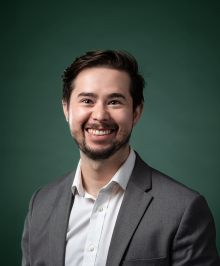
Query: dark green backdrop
[177, 46]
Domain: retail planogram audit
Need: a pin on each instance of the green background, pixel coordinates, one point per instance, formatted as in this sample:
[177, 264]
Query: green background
[177, 46]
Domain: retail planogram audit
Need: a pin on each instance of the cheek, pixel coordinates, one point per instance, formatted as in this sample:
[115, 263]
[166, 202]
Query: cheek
[124, 120]
[78, 116]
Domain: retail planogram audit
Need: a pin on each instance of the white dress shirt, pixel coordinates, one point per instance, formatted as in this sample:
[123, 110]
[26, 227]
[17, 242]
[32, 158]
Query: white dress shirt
[92, 220]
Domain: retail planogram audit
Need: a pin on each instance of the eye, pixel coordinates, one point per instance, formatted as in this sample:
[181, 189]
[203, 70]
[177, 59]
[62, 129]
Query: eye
[114, 102]
[86, 101]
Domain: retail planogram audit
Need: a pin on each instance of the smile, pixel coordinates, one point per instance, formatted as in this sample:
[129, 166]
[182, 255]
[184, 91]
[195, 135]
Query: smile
[99, 132]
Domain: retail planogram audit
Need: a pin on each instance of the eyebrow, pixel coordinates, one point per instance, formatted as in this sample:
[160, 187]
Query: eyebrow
[87, 94]
[116, 95]
[93, 95]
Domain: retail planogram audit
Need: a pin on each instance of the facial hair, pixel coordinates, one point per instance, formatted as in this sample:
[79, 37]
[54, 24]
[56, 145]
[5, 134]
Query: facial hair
[104, 153]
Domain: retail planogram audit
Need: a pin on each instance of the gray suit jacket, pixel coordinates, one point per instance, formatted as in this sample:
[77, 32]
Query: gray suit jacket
[160, 222]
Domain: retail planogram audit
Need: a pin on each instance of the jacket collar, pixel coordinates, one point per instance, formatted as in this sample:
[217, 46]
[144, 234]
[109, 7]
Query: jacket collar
[134, 205]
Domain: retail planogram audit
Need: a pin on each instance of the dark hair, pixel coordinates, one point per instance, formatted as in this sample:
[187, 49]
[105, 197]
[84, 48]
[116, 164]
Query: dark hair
[109, 59]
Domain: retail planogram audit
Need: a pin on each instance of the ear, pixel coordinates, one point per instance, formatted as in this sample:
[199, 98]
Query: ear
[137, 114]
[65, 109]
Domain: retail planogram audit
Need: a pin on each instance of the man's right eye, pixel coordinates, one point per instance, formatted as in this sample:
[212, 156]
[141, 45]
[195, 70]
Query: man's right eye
[87, 101]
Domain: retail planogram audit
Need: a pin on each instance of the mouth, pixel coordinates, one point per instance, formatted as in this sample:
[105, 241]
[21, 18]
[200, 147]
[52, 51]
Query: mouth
[99, 132]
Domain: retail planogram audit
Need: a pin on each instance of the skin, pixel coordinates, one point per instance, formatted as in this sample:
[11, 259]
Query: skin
[101, 100]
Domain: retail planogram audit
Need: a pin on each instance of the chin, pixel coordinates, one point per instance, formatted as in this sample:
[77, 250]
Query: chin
[98, 154]
[101, 153]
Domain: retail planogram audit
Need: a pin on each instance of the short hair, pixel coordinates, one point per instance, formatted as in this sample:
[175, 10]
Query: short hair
[109, 59]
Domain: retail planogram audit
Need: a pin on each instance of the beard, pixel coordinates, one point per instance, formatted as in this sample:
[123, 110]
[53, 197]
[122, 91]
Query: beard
[104, 153]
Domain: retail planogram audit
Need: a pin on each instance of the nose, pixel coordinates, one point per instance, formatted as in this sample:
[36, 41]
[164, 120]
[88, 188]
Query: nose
[100, 112]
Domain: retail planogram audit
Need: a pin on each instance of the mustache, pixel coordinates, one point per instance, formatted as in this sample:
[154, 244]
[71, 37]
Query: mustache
[101, 125]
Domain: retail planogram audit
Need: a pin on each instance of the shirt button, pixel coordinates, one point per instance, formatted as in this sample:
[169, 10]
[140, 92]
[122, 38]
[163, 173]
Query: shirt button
[100, 209]
[91, 248]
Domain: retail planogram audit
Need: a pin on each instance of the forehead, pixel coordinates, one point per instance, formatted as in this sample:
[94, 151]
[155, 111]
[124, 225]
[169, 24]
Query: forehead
[101, 80]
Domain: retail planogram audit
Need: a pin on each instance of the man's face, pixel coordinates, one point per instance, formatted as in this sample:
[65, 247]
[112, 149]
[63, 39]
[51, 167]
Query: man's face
[101, 113]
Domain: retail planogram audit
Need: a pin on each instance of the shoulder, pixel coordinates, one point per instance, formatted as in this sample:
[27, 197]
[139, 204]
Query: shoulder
[48, 193]
[165, 190]
[167, 186]
[171, 201]
[173, 196]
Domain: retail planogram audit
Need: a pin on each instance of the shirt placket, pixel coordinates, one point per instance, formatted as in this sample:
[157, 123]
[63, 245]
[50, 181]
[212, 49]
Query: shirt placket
[96, 225]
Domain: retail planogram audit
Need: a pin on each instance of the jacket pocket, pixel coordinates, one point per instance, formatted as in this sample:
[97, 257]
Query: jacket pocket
[147, 262]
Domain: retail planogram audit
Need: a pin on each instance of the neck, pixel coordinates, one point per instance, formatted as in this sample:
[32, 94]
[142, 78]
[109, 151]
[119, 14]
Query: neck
[97, 174]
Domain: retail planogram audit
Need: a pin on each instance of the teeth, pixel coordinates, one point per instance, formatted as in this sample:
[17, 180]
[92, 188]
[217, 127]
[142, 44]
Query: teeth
[99, 133]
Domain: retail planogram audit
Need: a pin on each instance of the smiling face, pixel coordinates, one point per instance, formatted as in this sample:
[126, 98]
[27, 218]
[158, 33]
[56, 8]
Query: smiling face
[101, 113]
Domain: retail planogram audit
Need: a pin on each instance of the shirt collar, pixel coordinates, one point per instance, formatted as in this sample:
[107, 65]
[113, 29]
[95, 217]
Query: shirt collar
[121, 177]
[123, 174]
[77, 182]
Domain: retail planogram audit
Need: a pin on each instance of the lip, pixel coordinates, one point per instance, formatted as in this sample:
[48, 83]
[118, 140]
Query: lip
[100, 137]
[103, 129]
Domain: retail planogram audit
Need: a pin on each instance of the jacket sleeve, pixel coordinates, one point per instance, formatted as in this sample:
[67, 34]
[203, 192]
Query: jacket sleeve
[25, 236]
[194, 243]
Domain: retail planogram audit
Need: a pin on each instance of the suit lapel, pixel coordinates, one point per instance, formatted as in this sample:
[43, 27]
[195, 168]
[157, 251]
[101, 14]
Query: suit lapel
[59, 222]
[133, 207]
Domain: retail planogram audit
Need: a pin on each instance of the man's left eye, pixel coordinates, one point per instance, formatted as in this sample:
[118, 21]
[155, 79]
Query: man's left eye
[114, 102]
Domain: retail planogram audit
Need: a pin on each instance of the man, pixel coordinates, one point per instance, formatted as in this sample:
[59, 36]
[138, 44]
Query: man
[114, 209]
